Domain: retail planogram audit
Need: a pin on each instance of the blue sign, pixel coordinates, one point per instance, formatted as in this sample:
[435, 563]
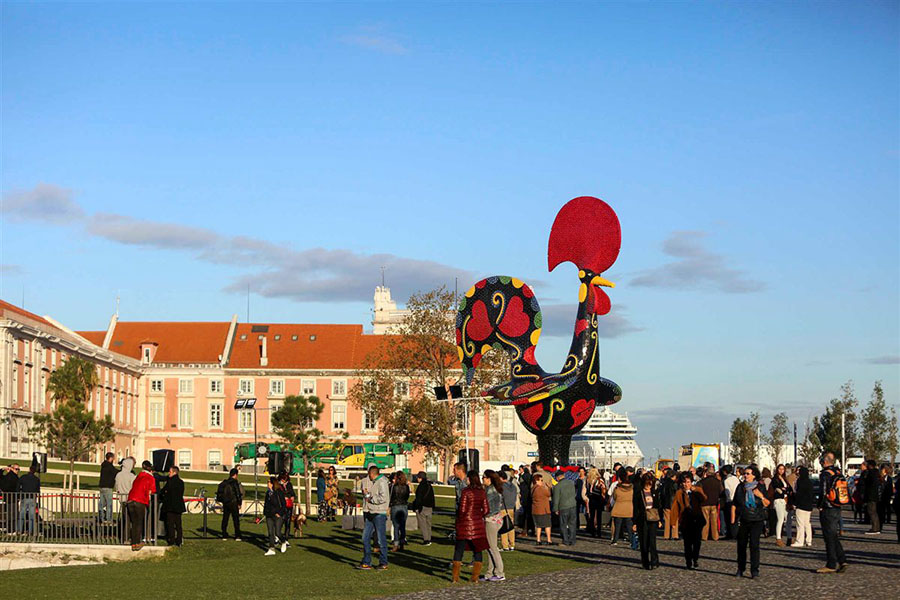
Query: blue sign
[533, 454]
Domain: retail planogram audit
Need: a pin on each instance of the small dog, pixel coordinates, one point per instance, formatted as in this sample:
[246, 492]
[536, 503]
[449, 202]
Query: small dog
[299, 520]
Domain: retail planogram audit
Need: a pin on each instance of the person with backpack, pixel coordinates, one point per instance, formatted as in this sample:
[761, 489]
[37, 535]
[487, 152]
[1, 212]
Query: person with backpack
[596, 501]
[833, 494]
[750, 505]
[230, 495]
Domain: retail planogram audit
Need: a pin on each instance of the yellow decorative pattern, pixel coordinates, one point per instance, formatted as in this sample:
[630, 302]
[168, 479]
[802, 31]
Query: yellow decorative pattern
[517, 283]
[582, 292]
[470, 292]
[555, 404]
[535, 336]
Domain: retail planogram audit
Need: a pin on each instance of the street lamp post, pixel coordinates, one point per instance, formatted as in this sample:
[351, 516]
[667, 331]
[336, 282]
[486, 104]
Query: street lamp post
[250, 404]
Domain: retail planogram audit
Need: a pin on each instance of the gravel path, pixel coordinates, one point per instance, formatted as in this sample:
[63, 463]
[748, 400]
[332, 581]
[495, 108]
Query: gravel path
[602, 570]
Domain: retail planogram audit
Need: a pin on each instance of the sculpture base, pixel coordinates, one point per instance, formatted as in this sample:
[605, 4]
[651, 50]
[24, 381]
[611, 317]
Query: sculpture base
[553, 450]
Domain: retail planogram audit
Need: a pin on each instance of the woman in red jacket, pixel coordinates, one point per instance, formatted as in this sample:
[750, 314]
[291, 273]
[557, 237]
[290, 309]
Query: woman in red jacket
[470, 532]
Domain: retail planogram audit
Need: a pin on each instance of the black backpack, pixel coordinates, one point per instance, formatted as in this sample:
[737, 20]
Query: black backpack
[225, 492]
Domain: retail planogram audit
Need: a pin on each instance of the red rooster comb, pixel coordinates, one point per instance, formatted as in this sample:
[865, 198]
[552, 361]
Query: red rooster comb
[586, 232]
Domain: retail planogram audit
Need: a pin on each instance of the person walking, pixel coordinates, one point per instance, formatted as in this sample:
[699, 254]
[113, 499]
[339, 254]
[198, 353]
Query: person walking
[108, 473]
[171, 502]
[687, 507]
[423, 505]
[29, 493]
[621, 501]
[645, 511]
[540, 507]
[376, 500]
[712, 489]
[399, 507]
[493, 521]
[830, 515]
[596, 490]
[274, 510]
[565, 505]
[580, 496]
[525, 484]
[781, 492]
[871, 496]
[470, 531]
[750, 503]
[138, 501]
[322, 506]
[887, 494]
[667, 489]
[230, 495]
[803, 505]
[290, 499]
[510, 497]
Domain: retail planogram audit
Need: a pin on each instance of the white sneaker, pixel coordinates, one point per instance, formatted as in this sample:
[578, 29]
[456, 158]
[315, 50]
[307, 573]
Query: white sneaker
[270, 552]
[237, 539]
[796, 545]
[284, 547]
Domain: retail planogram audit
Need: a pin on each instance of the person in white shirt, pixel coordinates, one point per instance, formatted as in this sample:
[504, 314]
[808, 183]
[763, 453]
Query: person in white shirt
[731, 482]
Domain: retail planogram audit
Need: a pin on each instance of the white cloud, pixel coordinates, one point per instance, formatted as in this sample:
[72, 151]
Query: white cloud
[45, 202]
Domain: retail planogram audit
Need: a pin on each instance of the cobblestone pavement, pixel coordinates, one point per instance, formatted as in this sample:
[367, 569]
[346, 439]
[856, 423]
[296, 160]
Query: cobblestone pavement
[602, 570]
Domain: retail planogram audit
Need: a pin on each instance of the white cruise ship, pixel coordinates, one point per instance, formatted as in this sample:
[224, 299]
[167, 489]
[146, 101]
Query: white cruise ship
[607, 438]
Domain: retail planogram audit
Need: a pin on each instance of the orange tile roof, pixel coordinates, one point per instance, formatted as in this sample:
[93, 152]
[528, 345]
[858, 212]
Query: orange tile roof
[94, 337]
[6, 307]
[291, 346]
[177, 342]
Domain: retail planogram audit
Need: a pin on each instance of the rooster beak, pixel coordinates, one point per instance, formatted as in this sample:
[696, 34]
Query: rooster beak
[601, 281]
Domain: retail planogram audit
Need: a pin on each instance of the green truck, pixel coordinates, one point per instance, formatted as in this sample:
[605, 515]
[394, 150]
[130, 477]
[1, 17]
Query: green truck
[346, 458]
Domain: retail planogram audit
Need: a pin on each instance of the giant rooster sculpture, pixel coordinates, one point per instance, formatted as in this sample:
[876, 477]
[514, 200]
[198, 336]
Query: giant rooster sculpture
[501, 313]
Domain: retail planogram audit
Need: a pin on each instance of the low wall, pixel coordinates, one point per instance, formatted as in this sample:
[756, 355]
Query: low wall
[30, 556]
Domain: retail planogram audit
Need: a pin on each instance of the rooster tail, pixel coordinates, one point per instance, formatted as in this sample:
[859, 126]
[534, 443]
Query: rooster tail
[499, 313]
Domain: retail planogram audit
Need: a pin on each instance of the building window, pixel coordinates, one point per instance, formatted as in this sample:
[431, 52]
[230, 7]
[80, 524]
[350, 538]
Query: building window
[156, 386]
[338, 416]
[184, 459]
[53, 358]
[216, 386]
[245, 420]
[402, 389]
[245, 387]
[215, 415]
[308, 387]
[214, 459]
[25, 394]
[507, 423]
[274, 406]
[128, 413]
[185, 386]
[146, 355]
[370, 421]
[276, 387]
[338, 388]
[186, 414]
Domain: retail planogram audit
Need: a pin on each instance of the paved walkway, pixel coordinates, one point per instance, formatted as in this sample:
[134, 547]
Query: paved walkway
[601, 570]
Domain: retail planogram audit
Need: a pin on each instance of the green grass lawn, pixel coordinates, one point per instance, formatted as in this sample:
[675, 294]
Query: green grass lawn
[318, 566]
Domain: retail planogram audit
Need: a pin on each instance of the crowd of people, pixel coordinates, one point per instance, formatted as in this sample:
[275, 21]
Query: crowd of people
[495, 508]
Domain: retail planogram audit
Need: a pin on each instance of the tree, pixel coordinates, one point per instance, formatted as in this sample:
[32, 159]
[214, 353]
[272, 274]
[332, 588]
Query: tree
[745, 439]
[71, 431]
[829, 430]
[396, 380]
[893, 438]
[777, 436]
[295, 423]
[810, 447]
[876, 427]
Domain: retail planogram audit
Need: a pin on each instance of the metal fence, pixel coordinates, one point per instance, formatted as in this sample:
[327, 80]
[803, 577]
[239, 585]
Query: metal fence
[76, 518]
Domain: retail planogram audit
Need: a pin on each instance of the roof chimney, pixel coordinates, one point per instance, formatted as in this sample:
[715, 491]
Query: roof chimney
[263, 357]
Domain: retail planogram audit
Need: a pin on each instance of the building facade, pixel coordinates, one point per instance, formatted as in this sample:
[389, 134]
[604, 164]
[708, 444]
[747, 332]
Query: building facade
[175, 385]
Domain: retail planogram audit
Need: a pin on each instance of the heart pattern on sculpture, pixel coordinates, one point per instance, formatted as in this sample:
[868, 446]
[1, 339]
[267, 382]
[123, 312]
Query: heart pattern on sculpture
[515, 322]
[582, 411]
[479, 327]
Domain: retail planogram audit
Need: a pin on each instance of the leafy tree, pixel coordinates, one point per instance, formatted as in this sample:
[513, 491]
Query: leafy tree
[810, 447]
[829, 430]
[777, 436]
[893, 438]
[876, 426]
[295, 423]
[71, 431]
[396, 379]
[745, 439]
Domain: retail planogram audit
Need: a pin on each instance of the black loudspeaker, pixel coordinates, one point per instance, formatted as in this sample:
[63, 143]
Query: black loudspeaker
[287, 458]
[39, 462]
[162, 460]
[472, 462]
[275, 463]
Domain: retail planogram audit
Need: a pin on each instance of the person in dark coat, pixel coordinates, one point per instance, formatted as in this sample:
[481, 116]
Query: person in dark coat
[645, 516]
[470, 531]
[423, 505]
[290, 498]
[687, 508]
[750, 504]
[10, 483]
[231, 496]
[871, 495]
[171, 502]
[274, 509]
[804, 500]
[527, 523]
[108, 473]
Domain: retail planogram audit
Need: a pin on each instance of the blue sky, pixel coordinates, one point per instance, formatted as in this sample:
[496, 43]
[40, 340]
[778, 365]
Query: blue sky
[174, 154]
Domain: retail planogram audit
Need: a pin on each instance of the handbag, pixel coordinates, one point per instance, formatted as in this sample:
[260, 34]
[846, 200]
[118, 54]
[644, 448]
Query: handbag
[507, 524]
[653, 515]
